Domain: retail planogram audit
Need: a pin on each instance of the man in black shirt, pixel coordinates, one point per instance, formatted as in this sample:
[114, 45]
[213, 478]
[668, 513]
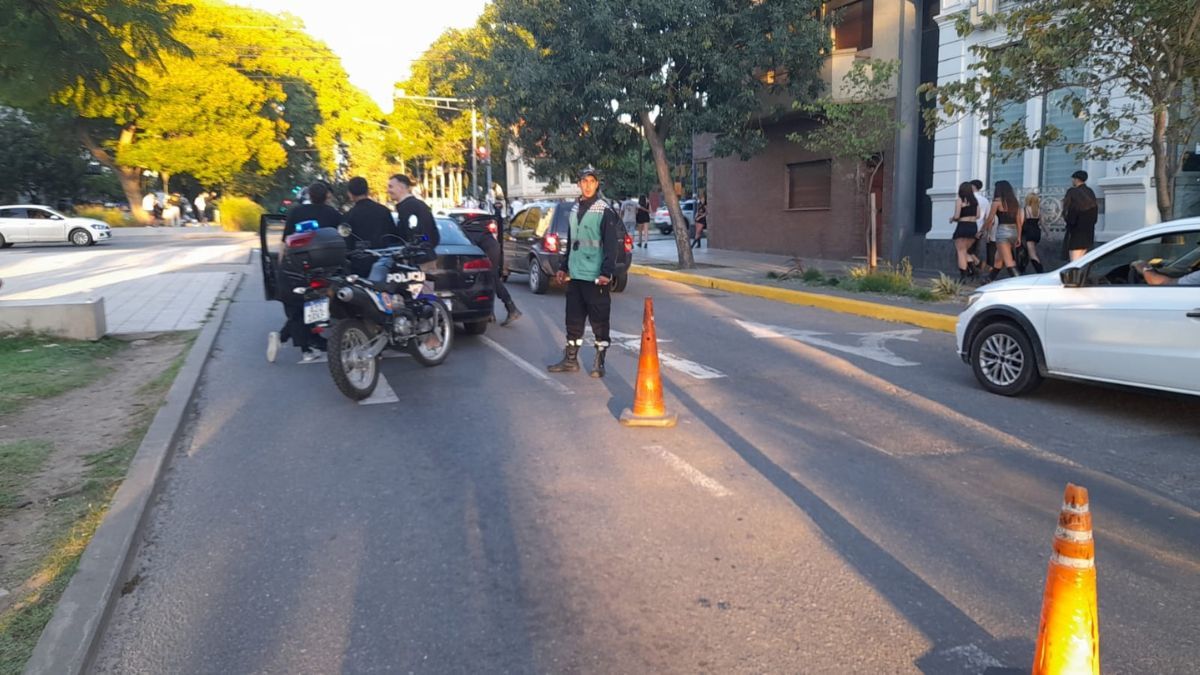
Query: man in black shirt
[368, 219]
[1080, 210]
[316, 209]
[413, 217]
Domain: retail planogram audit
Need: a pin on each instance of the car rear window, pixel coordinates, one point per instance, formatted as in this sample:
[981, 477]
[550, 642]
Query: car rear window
[451, 234]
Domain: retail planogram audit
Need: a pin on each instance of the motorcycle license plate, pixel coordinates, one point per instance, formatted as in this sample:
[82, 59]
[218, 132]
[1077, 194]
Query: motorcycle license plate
[316, 311]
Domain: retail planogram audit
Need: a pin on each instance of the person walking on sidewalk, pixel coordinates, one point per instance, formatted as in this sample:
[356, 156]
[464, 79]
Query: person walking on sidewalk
[643, 220]
[587, 265]
[701, 222]
[1005, 223]
[966, 231]
[629, 207]
[1031, 233]
[1080, 213]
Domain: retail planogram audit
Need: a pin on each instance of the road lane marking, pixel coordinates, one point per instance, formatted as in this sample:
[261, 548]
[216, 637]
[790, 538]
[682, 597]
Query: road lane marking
[528, 367]
[383, 393]
[633, 343]
[870, 345]
[691, 473]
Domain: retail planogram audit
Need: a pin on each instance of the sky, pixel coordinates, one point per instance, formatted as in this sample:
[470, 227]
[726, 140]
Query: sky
[377, 40]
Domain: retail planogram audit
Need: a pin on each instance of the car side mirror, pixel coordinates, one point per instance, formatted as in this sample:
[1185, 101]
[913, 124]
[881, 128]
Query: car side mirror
[1072, 277]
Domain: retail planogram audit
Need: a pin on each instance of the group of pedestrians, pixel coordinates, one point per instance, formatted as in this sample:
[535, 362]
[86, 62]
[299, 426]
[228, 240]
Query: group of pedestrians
[1008, 232]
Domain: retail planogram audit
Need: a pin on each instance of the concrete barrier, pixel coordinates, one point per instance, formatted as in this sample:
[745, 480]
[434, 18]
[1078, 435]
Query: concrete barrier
[74, 318]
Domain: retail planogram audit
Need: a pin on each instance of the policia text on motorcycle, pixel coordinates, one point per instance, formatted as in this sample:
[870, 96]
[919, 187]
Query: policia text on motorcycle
[589, 260]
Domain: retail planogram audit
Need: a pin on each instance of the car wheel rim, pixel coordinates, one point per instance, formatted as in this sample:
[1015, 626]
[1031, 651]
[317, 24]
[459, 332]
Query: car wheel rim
[1001, 359]
[80, 238]
[359, 366]
[442, 325]
[534, 275]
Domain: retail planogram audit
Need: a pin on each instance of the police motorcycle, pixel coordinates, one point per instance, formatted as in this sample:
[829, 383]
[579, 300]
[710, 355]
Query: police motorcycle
[389, 307]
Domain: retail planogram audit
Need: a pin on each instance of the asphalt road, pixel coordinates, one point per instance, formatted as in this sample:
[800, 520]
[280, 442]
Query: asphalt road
[839, 497]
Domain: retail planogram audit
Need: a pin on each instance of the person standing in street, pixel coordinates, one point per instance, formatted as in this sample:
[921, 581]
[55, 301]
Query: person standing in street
[475, 227]
[643, 221]
[369, 220]
[413, 216]
[587, 265]
[1080, 213]
[317, 212]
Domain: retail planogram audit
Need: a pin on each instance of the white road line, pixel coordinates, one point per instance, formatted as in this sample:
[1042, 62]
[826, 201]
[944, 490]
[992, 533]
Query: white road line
[383, 393]
[633, 343]
[528, 367]
[691, 473]
[871, 345]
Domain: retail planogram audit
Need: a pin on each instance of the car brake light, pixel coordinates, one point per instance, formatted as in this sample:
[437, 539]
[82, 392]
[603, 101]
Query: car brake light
[492, 228]
[477, 265]
[300, 239]
[628, 244]
[550, 243]
[318, 283]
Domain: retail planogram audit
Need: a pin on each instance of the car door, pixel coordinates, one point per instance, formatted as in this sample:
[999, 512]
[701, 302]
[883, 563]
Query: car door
[513, 256]
[44, 226]
[525, 236]
[13, 225]
[1129, 333]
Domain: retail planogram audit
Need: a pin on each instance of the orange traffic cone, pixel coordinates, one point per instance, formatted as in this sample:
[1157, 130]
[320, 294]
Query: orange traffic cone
[648, 408]
[1068, 636]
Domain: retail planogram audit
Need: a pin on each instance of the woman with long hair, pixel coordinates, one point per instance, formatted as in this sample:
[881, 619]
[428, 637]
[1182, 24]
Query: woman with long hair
[1031, 233]
[1007, 218]
[966, 231]
[643, 221]
[701, 222]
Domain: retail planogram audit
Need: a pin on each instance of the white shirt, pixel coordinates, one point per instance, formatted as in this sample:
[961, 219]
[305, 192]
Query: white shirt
[1190, 279]
[629, 211]
[984, 204]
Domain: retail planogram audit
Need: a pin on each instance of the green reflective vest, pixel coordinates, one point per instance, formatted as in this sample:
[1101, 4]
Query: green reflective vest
[587, 251]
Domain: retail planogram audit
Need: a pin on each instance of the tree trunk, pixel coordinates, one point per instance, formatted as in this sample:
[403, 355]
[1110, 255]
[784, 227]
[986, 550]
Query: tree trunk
[129, 177]
[658, 149]
[1163, 168]
[166, 181]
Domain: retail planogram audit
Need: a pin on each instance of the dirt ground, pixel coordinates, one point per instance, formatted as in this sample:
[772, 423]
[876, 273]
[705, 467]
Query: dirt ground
[82, 422]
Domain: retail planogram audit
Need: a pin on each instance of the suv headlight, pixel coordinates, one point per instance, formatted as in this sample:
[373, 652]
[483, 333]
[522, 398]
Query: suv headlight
[973, 298]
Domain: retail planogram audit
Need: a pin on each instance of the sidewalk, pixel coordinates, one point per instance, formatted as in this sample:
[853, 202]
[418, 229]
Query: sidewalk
[753, 268]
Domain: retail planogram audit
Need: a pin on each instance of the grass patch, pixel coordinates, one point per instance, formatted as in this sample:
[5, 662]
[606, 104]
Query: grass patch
[36, 366]
[79, 515]
[18, 461]
[886, 279]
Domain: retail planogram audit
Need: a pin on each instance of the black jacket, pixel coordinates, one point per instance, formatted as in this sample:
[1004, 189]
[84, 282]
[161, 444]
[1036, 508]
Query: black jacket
[415, 222]
[612, 234]
[324, 214]
[1080, 207]
[371, 222]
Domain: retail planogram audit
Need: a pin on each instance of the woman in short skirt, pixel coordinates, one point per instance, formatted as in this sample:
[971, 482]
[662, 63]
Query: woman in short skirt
[966, 231]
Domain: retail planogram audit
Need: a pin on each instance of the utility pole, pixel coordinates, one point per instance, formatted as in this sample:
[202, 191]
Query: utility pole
[474, 154]
[487, 143]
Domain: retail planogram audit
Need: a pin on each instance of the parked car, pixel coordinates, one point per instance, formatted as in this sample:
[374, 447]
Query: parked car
[662, 217]
[458, 278]
[458, 215]
[31, 223]
[1095, 319]
[534, 240]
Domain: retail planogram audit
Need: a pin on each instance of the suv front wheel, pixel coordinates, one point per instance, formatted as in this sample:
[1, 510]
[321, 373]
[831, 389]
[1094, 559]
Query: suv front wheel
[1004, 361]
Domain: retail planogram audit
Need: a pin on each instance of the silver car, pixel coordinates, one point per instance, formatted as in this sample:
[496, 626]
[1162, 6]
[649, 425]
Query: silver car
[31, 223]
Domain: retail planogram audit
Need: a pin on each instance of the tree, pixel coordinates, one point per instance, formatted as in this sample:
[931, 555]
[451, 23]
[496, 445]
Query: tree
[576, 87]
[1129, 69]
[858, 126]
[39, 159]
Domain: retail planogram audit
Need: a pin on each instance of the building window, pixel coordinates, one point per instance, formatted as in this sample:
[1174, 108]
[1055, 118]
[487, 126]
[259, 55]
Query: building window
[1002, 165]
[853, 25]
[809, 185]
[1059, 161]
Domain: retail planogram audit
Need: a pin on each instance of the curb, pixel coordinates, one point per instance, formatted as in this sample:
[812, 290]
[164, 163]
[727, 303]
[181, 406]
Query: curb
[833, 303]
[68, 643]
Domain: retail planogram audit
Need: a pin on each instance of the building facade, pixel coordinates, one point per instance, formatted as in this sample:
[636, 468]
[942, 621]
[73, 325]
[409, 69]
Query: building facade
[962, 153]
[523, 185]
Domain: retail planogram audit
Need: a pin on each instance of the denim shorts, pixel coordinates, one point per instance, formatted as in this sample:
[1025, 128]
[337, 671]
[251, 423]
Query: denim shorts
[1006, 234]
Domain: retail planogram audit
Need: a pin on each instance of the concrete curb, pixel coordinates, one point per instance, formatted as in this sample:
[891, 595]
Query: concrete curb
[68, 643]
[833, 303]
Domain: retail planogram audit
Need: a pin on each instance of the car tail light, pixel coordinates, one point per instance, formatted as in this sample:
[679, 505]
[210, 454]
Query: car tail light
[481, 298]
[550, 243]
[492, 229]
[477, 265]
[318, 283]
[300, 240]
[628, 244]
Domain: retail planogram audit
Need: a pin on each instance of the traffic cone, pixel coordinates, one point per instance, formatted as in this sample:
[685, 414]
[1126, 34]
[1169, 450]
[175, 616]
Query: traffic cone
[1068, 636]
[648, 407]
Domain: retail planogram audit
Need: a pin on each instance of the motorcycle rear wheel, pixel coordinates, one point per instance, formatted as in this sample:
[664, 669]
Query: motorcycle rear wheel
[354, 372]
[443, 330]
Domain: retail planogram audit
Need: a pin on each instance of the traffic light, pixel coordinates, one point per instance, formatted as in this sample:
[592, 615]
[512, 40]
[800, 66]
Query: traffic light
[482, 152]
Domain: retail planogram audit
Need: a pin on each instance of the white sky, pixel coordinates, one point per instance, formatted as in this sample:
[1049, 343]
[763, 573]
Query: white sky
[376, 40]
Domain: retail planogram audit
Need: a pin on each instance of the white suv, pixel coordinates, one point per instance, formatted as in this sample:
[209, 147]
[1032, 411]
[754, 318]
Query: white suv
[1095, 319]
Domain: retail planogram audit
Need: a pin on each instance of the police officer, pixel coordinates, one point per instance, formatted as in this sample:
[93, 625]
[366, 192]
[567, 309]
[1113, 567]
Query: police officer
[413, 217]
[587, 266]
[369, 220]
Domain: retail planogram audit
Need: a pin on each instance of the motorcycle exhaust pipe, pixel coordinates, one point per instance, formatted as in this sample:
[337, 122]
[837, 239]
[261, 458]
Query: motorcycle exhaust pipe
[345, 294]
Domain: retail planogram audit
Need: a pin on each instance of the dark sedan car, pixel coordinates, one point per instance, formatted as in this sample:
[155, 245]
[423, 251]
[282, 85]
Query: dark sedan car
[534, 240]
[459, 277]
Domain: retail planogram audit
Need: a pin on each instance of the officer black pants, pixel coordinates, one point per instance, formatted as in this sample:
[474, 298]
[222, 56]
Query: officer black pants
[588, 301]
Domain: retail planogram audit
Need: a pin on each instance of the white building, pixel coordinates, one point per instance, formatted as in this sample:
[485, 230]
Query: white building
[522, 183]
[1127, 199]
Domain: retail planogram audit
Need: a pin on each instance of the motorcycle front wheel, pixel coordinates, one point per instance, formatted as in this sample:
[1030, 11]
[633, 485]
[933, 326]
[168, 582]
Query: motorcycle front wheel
[354, 370]
[430, 349]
